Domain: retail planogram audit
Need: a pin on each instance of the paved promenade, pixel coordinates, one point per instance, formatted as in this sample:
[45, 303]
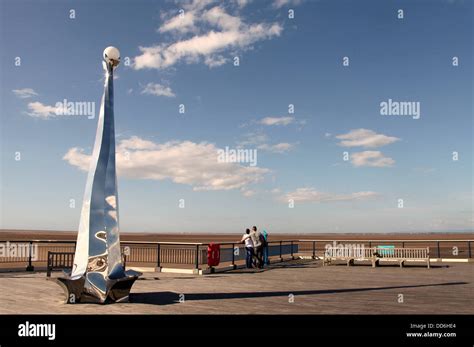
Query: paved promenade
[297, 287]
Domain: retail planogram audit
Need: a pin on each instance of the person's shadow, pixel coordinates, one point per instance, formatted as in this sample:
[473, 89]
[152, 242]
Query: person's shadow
[169, 298]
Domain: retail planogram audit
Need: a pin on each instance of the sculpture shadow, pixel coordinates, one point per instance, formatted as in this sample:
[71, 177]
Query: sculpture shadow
[169, 298]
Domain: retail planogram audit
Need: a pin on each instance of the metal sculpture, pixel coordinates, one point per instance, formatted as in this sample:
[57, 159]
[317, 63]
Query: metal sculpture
[98, 274]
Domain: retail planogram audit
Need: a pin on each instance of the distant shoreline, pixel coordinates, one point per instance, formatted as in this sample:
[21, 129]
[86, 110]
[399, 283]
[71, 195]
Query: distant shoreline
[12, 234]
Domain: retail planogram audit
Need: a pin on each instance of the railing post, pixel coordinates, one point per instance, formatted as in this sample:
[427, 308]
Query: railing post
[233, 255]
[291, 245]
[439, 251]
[469, 248]
[196, 264]
[428, 264]
[158, 256]
[48, 269]
[314, 249]
[30, 250]
[281, 258]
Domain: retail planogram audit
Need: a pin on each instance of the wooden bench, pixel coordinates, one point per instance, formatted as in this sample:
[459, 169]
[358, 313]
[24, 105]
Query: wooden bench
[59, 261]
[375, 254]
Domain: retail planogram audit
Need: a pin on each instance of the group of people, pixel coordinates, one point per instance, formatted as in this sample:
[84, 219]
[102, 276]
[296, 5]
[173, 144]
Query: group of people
[256, 246]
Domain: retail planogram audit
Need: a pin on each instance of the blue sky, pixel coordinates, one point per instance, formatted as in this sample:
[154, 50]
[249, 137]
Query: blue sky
[164, 156]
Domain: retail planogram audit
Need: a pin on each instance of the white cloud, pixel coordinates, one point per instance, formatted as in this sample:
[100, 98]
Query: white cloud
[365, 138]
[24, 93]
[312, 195]
[281, 3]
[195, 13]
[218, 17]
[191, 50]
[38, 110]
[277, 120]
[223, 32]
[242, 3]
[137, 143]
[253, 139]
[248, 193]
[261, 141]
[277, 148]
[215, 61]
[371, 158]
[158, 90]
[198, 4]
[180, 23]
[182, 162]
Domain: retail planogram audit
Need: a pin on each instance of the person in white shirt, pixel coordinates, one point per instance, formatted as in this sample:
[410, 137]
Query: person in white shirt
[247, 239]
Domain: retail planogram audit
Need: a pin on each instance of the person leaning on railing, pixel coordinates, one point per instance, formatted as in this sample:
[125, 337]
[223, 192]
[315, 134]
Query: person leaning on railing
[264, 236]
[247, 239]
[258, 246]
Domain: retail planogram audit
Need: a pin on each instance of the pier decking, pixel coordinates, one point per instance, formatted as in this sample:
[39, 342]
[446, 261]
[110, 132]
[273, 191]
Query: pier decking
[294, 287]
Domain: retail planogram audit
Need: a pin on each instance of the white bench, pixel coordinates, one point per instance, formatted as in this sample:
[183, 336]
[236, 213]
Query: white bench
[375, 255]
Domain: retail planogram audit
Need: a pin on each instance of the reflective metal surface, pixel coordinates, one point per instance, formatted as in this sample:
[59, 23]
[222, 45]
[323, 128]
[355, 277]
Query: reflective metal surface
[97, 261]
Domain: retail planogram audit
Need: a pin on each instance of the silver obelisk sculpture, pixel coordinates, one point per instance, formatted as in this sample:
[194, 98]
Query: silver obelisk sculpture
[98, 274]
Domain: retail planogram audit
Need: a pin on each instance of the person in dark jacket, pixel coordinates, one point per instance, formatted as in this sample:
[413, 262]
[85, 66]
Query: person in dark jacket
[258, 246]
[266, 261]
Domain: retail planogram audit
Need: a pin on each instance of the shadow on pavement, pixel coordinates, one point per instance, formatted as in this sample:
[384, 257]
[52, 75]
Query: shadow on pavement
[168, 298]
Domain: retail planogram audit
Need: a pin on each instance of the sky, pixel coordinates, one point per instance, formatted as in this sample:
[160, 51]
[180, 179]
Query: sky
[301, 84]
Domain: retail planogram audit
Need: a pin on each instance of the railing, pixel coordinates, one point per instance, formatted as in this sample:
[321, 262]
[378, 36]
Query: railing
[194, 255]
[65, 261]
[154, 254]
[231, 252]
[452, 249]
[32, 251]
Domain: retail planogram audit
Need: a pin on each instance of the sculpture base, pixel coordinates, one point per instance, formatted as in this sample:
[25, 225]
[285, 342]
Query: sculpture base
[118, 290]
